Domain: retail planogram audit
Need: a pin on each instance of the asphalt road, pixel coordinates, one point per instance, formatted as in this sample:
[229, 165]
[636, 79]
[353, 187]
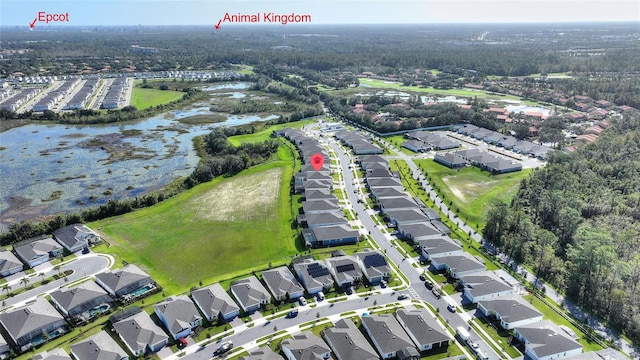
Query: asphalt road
[83, 266]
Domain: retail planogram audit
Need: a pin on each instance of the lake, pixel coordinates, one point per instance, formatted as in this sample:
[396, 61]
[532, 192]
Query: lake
[50, 169]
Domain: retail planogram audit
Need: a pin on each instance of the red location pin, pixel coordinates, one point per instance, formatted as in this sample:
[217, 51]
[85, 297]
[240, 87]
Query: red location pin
[317, 160]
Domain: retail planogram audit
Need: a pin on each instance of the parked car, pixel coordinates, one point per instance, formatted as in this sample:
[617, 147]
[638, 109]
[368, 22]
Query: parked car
[451, 308]
[428, 284]
[422, 277]
[383, 284]
[225, 347]
[182, 343]
[302, 301]
[402, 297]
[320, 296]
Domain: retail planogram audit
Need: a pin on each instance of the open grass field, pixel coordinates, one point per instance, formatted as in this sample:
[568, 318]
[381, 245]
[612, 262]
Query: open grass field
[470, 189]
[381, 84]
[263, 135]
[218, 230]
[144, 98]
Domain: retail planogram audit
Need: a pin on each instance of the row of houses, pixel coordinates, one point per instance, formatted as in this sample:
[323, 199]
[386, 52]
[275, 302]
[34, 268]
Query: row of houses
[54, 97]
[421, 141]
[479, 158]
[34, 252]
[40, 321]
[403, 335]
[359, 144]
[79, 100]
[114, 95]
[505, 141]
[14, 102]
[322, 219]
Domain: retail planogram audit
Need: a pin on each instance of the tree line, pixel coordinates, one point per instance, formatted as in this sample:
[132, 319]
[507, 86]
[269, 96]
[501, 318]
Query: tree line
[577, 223]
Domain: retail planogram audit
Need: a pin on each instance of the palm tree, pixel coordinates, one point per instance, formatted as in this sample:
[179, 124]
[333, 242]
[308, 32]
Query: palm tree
[57, 267]
[42, 276]
[25, 281]
[6, 288]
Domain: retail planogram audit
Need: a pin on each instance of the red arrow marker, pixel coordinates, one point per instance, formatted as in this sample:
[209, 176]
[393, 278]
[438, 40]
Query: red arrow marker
[33, 24]
[218, 25]
[317, 160]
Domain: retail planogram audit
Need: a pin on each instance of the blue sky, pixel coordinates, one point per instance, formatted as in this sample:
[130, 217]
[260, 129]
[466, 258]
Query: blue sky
[206, 12]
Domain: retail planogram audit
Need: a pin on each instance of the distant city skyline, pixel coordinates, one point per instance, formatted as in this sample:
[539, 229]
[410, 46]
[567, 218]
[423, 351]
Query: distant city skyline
[203, 12]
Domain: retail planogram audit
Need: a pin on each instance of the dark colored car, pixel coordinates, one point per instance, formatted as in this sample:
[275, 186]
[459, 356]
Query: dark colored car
[291, 314]
[402, 297]
[451, 308]
[422, 277]
[428, 284]
[223, 348]
[182, 343]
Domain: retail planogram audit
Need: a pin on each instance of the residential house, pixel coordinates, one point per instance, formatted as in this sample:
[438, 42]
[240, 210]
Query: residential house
[511, 310]
[215, 303]
[404, 217]
[546, 341]
[263, 353]
[378, 194]
[282, 284]
[178, 315]
[389, 182]
[26, 325]
[140, 334]
[400, 203]
[329, 218]
[320, 206]
[373, 264]
[419, 231]
[9, 263]
[98, 347]
[5, 349]
[319, 194]
[330, 235]
[416, 146]
[55, 354]
[457, 265]
[75, 237]
[125, 281]
[82, 302]
[423, 328]
[314, 275]
[484, 286]
[440, 246]
[37, 252]
[344, 269]
[250, 294]
[389, 338]
[450, 160]
[347, 342]
[305, 346]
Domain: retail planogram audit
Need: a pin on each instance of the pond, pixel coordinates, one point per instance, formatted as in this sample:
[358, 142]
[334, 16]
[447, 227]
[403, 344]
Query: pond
[50, 169]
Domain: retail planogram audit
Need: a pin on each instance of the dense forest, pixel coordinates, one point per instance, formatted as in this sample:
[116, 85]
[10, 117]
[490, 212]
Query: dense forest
[577, 222]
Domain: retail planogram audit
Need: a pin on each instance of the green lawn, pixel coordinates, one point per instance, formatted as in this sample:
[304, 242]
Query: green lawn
[215, 231]
[381, 84]
[265, 134]
[471, 190]
[143, 98]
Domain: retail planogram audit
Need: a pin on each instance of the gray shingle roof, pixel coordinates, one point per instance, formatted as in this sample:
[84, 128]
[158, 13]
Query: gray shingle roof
[398, 203]
[72, 235]
[511, 308]
[37, 248]
[460, 263]
[345, 268]
[320, 205]
[98, 347]
[213, 300]
[179, 311]
[250, 292]
[342, 231]
[8, 261]
[439, 245]
[387, 332]
[306, 346]
[281, 281]
[546, 338]
[420, 230]
[375, 264]
[313, 273]
[325, 218]
[119, 279]
[423, 326]
[484, 284]
[410, 216]
[138, 331]
[264, 353]
[348, 343]
[34, 316]
[84, 293]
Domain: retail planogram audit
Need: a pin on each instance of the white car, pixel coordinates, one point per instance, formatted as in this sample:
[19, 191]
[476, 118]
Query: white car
[303, 301]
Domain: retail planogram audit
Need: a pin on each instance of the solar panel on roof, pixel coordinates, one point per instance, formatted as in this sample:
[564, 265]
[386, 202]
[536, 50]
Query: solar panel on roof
[316, 270]
[375, 261]
[345, 268]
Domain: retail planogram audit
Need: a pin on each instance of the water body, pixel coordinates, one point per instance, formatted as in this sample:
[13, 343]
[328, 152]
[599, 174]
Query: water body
[525, 108]
[49, 169]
